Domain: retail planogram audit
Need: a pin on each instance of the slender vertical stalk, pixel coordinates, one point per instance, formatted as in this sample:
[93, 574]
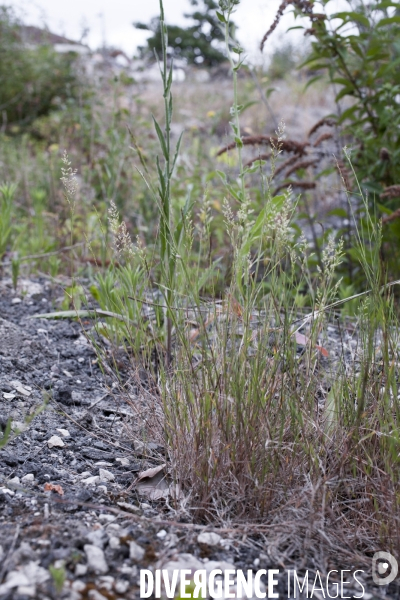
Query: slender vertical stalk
[167, 239]
[235, 110]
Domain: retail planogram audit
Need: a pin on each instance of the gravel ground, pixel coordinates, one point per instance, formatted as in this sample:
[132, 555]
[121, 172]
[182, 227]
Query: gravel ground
[71, 524]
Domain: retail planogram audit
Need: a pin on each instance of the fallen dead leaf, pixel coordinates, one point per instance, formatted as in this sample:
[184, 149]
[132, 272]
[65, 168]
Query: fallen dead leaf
[51, 487]
[303, 340]
[153, 484]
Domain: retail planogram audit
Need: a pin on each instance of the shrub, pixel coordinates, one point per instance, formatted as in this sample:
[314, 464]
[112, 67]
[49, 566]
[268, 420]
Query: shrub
[360, 50]
[33, 81]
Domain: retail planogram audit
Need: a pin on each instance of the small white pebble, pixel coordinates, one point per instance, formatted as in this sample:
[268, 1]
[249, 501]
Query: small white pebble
[162, 534]
[28, 478]
[80, 570]
[64, 432]
[107, 517]
[96, 559]
[91, 480]
[79, 586]
[55, 442]
[106, 475]
[16, 301]
[14, 481]
[209, 538]
[121, 586]
[23, 391]
[114, 542]
[127, 506]
[106, 582]
[136, 552]
[123, 461]
[95, 595]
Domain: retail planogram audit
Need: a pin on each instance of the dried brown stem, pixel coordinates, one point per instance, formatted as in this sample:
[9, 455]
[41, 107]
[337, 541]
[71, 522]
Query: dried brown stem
[325, 121]
[391, 192]
[302, 164]
[322, 138]
[395, 215]
[254, 140]
[305, 185]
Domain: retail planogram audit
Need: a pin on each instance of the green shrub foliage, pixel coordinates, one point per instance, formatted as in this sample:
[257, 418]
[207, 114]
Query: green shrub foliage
[33, 79]
[360, 50]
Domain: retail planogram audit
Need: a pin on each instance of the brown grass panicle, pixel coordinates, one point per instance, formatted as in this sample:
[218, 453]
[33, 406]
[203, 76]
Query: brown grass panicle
[303, 6]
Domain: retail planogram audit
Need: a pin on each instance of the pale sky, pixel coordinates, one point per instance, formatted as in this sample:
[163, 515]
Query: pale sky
[112, 19]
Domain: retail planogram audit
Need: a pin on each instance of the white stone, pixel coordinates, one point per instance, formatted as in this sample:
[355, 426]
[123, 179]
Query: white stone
[79, 586]
[171, 540]
[55, 442]
[80, 570]
[106, 475]
[136, 552]
[8, 396]
[64, 432]
[22, 390]
[27, 590]
[106, 582]
[18, 425]
[35, 573]
[180, 562]
[223, 565]
[128, 506]
[16, 301]
[162, 534]
[114, 542]
[14, 481]
[85, 474]
[121, 586]
[14, 579]
[28, 478]
[7, 491]
[123, 461]
[91, 480]
[97, 538]
[95, 558]
[209, 538]
[102, 489]
[26, 578]
[95, 595]
[107, 517]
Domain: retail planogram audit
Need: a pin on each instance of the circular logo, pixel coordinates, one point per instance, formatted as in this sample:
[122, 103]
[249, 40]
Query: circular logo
[384, 568]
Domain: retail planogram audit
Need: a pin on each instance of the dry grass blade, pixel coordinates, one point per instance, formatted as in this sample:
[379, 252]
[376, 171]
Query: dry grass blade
[254, 140]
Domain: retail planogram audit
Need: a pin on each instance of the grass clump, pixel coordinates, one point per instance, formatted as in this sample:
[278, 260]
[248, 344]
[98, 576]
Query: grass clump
[258, 431]
[277, 413]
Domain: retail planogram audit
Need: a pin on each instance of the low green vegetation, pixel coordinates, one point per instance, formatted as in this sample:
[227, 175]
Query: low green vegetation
[196, 258]
[33, 80]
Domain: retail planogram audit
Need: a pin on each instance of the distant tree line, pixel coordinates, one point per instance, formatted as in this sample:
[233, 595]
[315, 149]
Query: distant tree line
[198, 44]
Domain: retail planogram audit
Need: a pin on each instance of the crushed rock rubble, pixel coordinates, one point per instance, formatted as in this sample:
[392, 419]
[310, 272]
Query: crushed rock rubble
[65, 510]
